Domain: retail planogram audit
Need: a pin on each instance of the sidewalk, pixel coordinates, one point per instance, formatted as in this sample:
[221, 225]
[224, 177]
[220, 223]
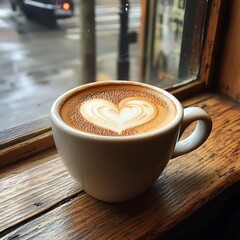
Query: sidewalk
[39, 64]
[31, 98]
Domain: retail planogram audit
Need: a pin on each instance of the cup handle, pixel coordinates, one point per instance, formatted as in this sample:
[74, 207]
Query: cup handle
[199, 134]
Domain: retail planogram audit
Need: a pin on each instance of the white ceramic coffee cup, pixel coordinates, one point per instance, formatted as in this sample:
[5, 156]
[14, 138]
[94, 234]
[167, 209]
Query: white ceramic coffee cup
[118, 169]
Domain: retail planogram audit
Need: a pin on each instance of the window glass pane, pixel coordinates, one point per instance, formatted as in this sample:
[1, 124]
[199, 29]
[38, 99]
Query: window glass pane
[177, 41]
[108, 31]
[48, 47]
[37, 61]
[169, 26]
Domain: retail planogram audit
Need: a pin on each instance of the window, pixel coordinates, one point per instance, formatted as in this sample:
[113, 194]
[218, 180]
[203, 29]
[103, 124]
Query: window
[53, 52]
[173, 50]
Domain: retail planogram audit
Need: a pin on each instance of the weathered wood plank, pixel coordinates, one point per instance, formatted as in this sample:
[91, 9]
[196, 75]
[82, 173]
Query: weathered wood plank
[30, 187]
[211, 44]
[34, 206]
[23, 132]
[229, 67]
[25, 149]
[187, 184]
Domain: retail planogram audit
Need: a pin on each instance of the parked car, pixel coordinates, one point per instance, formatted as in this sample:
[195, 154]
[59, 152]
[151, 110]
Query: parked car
[48, 9]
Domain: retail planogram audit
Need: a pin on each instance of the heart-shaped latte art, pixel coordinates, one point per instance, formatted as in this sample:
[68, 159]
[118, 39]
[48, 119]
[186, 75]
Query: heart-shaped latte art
[130, 113]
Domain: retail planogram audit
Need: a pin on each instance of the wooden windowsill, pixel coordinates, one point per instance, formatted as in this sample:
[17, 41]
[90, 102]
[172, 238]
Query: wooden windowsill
[39, 200]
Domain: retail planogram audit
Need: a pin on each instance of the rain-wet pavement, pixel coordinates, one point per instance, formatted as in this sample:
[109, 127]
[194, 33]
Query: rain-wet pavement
[38, 63]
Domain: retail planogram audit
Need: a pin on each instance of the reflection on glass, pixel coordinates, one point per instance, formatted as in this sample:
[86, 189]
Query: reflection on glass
[169, 28]
[177, 41]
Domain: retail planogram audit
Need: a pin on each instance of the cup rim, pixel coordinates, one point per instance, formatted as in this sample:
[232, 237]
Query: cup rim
[57, 120]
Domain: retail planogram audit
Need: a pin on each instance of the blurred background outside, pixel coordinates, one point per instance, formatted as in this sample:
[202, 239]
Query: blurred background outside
[38, 62]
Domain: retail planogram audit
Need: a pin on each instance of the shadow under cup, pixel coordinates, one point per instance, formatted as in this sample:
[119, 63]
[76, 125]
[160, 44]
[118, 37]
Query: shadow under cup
[119, 168]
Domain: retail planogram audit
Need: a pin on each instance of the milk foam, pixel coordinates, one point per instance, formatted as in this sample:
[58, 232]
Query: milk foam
[112, 109]
[129, 113]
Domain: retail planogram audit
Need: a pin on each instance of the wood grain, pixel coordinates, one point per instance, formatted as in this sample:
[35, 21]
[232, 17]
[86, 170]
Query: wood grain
[229, 68]
[211, 42]
[30, 187]
[23, 132]
[23, 149]
[188, 184]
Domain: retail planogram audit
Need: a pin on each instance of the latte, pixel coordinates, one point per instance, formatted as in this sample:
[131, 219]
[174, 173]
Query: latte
[117, 109]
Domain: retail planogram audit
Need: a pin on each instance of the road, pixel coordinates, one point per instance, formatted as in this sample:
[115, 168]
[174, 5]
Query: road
[39, 63]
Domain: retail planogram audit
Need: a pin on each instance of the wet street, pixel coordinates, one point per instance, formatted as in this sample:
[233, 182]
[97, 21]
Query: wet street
[38, 63]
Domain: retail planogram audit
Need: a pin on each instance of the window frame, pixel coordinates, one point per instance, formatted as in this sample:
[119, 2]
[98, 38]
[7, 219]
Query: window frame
[210, 48]
[22, 141]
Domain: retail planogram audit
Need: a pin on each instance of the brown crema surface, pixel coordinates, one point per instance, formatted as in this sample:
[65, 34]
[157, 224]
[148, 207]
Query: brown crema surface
[162, 108]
